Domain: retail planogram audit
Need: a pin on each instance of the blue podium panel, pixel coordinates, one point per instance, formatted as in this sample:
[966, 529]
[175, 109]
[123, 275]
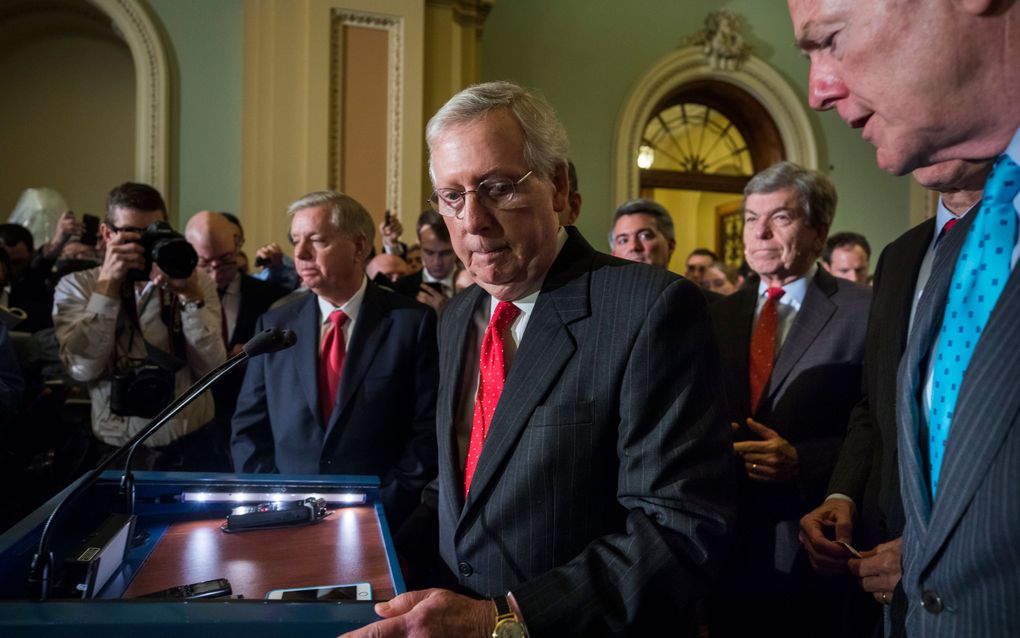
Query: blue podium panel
[178, 541]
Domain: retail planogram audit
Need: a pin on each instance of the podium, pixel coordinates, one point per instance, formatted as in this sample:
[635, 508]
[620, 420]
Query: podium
[179, 541]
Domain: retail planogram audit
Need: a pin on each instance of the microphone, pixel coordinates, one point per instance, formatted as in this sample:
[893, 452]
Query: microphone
[269, 340]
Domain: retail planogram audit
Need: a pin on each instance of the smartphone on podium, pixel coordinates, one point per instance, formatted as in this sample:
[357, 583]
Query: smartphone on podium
[327, 593]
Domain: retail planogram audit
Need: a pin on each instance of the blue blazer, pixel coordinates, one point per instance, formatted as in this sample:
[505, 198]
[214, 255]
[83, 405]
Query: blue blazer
[383, 423]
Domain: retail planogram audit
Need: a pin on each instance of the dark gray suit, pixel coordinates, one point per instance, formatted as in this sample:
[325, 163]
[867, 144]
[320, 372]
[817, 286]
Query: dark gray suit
[815, 383]
[603, 493]
[961, 557]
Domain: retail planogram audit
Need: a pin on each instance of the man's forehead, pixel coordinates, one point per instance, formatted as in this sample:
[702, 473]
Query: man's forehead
[812, 18]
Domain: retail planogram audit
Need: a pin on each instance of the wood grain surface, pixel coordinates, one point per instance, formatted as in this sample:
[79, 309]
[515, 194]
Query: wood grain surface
[346, 547]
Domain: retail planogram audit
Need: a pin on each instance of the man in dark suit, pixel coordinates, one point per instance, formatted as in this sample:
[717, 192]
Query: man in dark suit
[863, 506]
[434, 283]
[584, 484]
[957, 405]
[791, 349]
[357, 394]
[243, 299]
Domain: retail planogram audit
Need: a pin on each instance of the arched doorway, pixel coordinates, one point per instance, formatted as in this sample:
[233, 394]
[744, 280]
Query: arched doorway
[87, 86]
[739, 121]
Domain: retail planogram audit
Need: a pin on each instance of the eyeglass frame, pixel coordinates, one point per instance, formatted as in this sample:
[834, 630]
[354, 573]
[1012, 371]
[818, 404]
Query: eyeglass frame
[458, 213]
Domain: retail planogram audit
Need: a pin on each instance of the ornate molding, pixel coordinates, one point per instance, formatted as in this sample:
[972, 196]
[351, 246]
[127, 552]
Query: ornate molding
[687, 65]
[133, 21]
[394, 26]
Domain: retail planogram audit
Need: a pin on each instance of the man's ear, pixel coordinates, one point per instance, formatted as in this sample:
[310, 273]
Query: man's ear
[560, 183]
[361, 248]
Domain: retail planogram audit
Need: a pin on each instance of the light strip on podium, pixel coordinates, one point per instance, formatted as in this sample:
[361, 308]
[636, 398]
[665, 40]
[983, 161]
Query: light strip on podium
[339, 498]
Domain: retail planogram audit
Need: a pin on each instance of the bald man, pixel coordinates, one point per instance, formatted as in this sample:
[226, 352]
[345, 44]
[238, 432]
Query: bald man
[243, 299]
[388, 268]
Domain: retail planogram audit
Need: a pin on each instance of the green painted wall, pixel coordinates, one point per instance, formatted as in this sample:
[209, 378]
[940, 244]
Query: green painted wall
[206, 40]
[586, 55]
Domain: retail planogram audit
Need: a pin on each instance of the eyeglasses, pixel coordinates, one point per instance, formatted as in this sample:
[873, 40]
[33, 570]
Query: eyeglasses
[126, 229]
[495, 192]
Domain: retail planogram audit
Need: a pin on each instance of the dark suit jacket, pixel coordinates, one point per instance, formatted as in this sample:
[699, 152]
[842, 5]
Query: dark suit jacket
[960, 552]
[815, 382]
[256, 298]
[866, 468]
[603, 493]
[383, 423]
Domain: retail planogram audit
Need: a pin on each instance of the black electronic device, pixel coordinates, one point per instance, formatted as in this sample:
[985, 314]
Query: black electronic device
[434, 285]
[142, 390]
[90, 230]
[90, 566]
[270, 515]
[269, 340]
[217, 588]
[169, 250]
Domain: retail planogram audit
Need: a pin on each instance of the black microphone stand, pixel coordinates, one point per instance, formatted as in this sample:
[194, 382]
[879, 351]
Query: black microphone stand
[42, 562]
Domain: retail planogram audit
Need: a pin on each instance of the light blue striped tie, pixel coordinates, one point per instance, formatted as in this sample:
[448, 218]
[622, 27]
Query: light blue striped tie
[981, 273]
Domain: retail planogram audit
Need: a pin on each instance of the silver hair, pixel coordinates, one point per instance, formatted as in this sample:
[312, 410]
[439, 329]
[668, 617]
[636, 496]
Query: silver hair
[815, 193]
[545, 140]
[345, 213]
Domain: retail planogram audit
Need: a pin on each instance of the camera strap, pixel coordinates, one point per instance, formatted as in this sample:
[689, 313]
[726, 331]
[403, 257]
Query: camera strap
[170, 315]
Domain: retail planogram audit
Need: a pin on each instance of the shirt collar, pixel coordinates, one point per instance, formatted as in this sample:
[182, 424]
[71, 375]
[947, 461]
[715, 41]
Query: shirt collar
[351, 308]
[427, 277]
[794, 291]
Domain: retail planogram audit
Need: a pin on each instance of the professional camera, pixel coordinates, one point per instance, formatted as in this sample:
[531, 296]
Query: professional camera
[169, 250]
[142, 390]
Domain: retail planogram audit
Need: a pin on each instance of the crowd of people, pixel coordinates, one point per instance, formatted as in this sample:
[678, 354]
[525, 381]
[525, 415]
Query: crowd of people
[573, 442]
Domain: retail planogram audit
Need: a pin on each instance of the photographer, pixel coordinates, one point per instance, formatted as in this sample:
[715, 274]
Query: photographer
[140, 328]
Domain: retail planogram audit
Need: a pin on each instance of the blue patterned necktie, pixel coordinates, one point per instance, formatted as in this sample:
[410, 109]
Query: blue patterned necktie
[980, 275]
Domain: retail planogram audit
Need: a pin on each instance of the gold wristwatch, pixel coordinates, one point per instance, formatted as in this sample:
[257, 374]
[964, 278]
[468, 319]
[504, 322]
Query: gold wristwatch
[507, 624]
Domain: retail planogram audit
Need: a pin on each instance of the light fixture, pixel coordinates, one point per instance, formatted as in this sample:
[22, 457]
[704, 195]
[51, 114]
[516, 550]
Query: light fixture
[645, 156]
[339, 498]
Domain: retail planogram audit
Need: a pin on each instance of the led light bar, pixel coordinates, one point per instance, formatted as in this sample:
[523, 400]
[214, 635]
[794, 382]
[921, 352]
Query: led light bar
[338, 498]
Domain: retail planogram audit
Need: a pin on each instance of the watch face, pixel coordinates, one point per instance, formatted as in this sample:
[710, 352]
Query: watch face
[509, 629]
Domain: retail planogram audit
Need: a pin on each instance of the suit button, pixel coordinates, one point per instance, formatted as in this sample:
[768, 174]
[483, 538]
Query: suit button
[465, 569]
[931, 602]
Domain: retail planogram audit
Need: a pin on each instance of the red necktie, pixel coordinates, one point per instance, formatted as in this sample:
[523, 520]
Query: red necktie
[491, 375]
[331, 363]
[763, 345]
[948, 226]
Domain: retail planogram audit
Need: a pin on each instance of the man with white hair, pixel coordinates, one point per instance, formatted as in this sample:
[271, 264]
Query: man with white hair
[585, 476]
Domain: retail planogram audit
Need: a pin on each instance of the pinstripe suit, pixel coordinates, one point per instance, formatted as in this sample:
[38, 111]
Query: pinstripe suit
[603, 493]
[964, 551]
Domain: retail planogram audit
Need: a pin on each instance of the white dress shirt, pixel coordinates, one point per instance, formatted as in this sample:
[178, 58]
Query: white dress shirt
[351, 308]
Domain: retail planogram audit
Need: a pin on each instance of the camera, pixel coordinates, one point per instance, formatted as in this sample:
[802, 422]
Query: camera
[169, 250]
[142, 390]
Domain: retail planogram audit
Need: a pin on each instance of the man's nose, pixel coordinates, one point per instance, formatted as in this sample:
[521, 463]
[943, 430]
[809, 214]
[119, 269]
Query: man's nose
[825, 88]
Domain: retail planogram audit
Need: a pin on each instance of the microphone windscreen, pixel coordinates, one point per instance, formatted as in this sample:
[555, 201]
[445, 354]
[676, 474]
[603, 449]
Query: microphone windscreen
[270, 340]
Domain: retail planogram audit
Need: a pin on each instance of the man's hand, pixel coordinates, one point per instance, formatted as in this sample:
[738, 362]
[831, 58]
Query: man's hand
[390, 233]
[123, 253]
[827, 557]
[271, 253]
[431, 297]
[770, 460]
[879, 571]
[428, 613]
[186, 289]
[67, 227]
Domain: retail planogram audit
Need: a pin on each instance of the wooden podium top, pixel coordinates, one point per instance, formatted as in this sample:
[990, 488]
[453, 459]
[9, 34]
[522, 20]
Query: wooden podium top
[346, 547]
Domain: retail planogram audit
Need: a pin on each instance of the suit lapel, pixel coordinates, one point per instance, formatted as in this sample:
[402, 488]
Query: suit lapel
[927, 320]
[457, 334]
[306, 357]
[807, 326]
[545, 349]
[739, 339]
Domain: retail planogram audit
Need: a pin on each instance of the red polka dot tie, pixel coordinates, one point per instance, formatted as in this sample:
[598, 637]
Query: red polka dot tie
[763, 345]
[331, 363]
[491, 376]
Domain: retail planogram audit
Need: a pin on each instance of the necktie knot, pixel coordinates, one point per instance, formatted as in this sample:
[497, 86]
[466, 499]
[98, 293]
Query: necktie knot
[1003, 182]
[504, 315]
[338, 318]
[775, 293]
